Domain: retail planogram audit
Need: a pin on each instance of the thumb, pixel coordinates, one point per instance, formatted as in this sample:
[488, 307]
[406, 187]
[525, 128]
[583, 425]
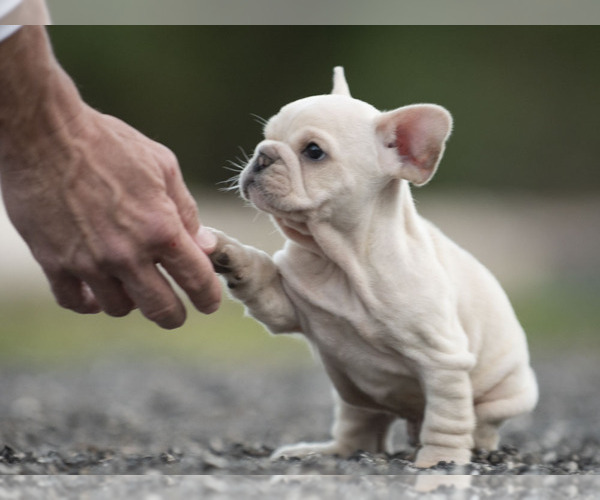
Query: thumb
[206, 239]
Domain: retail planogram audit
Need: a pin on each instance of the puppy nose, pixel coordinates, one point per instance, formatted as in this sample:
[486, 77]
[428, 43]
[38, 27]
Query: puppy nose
[262, 162]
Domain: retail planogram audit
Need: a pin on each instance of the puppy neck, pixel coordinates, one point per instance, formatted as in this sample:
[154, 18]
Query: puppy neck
[297, 233]
[317, 251]
[389, 220]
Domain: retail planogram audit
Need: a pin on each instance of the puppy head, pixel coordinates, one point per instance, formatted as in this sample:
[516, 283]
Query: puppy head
[328, 156]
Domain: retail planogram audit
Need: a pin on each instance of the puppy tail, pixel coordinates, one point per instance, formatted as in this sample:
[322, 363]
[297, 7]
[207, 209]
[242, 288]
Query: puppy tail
[340, 86]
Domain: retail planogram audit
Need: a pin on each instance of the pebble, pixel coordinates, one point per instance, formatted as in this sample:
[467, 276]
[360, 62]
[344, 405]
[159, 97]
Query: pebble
[214, 461]
[570, 467]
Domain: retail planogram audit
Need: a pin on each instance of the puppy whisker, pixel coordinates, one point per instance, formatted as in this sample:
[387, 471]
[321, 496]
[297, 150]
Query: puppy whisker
[228, 189]
[236, 166]
[246, 158]
[232, 184]
[259, 119]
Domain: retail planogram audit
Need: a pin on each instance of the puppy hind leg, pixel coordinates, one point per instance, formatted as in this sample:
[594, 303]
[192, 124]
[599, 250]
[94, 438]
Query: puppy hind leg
[486, 435]
[354, 429]
[413, 430]
[516, 396]
[361, 429]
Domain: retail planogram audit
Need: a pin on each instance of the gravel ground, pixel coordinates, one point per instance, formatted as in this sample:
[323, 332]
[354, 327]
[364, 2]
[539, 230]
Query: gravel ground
[125, 417]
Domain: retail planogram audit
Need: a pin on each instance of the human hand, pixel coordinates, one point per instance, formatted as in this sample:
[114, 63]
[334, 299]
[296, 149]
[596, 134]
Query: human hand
[101, 206]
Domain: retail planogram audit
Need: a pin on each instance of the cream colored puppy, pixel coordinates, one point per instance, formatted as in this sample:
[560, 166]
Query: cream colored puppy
[407, 324]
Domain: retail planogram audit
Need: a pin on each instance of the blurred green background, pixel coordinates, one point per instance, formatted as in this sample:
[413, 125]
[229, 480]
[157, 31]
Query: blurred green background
[525, 100]
[518, 185]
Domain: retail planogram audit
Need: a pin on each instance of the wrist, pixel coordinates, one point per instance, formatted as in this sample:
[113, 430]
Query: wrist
[37, 97]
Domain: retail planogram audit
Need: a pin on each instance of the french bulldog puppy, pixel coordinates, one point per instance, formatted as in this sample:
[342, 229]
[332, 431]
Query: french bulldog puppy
[406, 323]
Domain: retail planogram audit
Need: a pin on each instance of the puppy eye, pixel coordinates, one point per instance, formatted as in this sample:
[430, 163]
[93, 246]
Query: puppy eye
[314, 152]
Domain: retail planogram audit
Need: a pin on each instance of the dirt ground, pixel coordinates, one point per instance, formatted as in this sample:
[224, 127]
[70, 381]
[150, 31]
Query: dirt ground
[123, 417]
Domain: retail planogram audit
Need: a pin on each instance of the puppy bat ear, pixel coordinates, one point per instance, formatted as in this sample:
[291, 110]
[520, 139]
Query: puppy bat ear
[416, 135]
[340, 86]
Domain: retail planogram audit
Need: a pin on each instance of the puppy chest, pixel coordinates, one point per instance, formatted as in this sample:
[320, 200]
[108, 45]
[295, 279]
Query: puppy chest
[363, 369]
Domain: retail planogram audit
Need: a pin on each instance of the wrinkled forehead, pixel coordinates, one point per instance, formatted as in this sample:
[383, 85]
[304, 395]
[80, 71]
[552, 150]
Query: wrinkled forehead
[335, 113]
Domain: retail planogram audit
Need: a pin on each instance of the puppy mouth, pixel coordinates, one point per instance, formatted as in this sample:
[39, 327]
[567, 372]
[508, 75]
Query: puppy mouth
[251, 191]
[260, 199]
[245, 186]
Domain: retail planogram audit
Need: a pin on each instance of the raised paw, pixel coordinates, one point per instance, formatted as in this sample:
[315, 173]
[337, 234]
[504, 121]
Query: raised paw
[230, 259]
[221, 262]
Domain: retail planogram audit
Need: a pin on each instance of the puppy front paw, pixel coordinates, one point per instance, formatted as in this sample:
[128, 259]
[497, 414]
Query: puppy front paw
[301, 450]
[223, 265]
[230, 259]
[429, 455]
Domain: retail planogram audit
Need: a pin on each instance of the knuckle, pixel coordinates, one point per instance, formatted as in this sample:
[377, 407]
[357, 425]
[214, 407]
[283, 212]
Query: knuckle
[167, 157]
[107, 258]
[81, 265]
[163, 234]
[114, 261]
[54, 266]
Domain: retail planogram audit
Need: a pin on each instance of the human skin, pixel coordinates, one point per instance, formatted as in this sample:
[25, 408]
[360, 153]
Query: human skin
[101, 206]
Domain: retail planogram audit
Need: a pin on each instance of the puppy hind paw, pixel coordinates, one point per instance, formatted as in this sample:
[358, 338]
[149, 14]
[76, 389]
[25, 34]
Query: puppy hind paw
[486, 436]
[413, 431]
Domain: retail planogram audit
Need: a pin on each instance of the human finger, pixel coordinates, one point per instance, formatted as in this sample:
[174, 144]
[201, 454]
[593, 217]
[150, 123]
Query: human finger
[206, 240]
[110, 295]
[72, 293]
[154, 296]
[193, 272]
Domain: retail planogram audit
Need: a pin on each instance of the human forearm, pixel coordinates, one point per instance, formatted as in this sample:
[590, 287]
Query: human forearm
[19, 12]
[37, 98]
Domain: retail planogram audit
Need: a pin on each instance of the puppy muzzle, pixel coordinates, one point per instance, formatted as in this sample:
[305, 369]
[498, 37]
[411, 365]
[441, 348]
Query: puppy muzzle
[262, 161]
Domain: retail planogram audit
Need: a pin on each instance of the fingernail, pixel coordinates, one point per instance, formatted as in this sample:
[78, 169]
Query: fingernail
[206, 239]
